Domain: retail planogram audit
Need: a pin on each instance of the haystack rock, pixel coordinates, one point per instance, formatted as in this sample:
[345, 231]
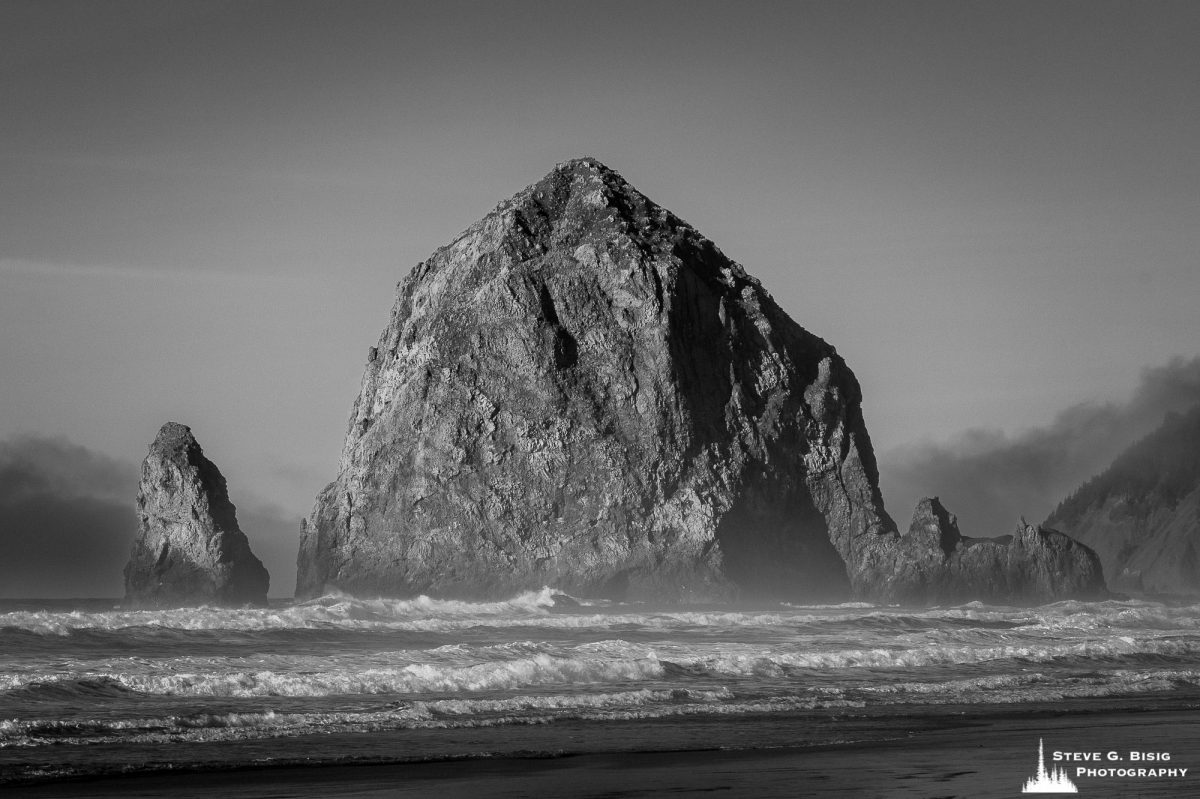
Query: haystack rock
[935, 564]
[582, 391]
[190, 550]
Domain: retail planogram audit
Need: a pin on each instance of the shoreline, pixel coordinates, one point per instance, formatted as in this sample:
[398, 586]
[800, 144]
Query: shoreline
[947, 754]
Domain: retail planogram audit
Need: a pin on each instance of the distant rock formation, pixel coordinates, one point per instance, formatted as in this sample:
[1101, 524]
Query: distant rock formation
[1142, 513]
[583, 391]
[189, 550]
[935, 564]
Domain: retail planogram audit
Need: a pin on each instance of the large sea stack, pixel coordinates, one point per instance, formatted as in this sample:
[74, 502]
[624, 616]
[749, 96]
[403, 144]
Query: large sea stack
[189, 550]
[582, 391]
[1142, 513]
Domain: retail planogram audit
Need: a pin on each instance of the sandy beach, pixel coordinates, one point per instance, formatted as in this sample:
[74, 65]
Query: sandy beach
[963, 757]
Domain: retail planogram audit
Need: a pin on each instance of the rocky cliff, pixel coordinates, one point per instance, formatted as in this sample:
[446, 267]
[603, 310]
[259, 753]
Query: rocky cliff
[583, 391]
[189, 549]
[933, 563]
[1142, 514]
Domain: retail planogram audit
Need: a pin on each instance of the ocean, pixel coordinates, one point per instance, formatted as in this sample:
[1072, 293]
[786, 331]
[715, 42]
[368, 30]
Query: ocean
[89, 690]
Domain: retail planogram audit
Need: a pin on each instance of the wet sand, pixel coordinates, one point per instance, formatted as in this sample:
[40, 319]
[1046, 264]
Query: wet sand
[967, 757]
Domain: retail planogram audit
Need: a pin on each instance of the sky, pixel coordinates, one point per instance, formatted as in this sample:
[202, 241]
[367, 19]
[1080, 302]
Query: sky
[990, 209]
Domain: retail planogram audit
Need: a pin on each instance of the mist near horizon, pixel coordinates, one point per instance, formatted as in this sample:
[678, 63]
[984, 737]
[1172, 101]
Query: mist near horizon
[66, 519]
[57, 496]
[67, 522]
[990, 478]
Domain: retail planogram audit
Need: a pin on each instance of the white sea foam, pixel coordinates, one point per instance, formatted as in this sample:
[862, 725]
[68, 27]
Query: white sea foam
[340, 664]
[331, 610]
[1033, 687]
[537, 609]
[524, 709]
[439, 714]
[751, 662]
[459, 668]
[401, 712]
[411, 678]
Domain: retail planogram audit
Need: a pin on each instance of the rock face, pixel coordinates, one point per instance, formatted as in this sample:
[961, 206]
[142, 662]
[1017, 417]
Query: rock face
[582, 391]
[190, 550]
[1142, 514]
[933, 563]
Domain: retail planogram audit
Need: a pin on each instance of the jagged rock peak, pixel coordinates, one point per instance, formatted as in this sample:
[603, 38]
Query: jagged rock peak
[189, 549]
[934, 563]
[582, 202]
[934, 525]
[582, 391]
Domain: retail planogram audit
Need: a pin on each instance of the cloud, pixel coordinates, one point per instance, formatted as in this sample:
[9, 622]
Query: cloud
[51, 269]
[67, 522]
[66, 519]
[989, 478]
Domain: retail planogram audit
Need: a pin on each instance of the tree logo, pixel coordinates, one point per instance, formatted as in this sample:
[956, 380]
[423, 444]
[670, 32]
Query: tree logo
[1053, 781]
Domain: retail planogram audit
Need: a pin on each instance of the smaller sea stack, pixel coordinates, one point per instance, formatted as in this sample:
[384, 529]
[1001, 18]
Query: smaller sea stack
[933, 563]
[189, 550]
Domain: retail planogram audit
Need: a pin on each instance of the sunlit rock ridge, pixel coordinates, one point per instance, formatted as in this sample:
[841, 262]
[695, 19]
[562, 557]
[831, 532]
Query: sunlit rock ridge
[189, 550]
[582, 391]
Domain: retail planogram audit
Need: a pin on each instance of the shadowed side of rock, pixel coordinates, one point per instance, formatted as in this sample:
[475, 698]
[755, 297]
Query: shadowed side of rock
[189, 550]
[933, 563]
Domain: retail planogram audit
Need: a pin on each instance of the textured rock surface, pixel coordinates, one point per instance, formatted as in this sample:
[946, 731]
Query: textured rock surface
[933, 563]
[582, 391]
[189, 550]
[1142, 514]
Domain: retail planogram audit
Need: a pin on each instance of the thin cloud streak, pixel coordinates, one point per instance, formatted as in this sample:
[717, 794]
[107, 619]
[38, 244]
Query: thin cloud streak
[196, 165]
[49, 269]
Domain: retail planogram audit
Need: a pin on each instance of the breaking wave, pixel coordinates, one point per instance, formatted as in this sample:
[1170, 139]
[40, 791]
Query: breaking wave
[177, 678]
[551, 608]
[602, 706]
[458, 668]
